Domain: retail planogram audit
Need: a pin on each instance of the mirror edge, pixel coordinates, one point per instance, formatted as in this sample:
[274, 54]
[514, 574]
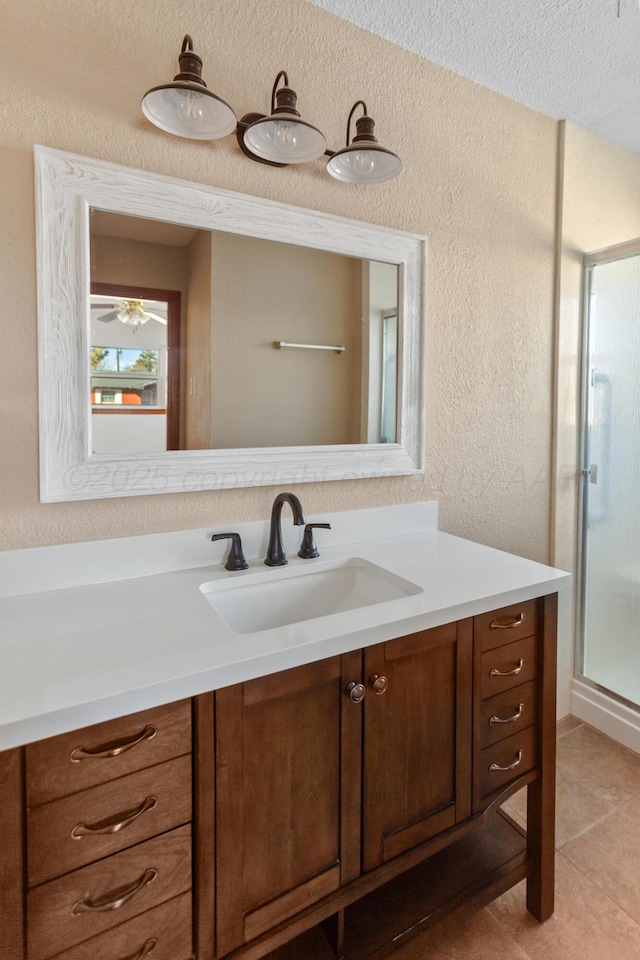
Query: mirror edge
[67, 186]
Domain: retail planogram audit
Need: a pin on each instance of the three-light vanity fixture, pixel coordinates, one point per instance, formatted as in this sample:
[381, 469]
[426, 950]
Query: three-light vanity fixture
[187, 108]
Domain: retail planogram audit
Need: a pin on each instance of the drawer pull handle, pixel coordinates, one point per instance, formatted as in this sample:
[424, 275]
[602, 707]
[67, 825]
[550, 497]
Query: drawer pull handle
[496, 625]
[107, 750]
[496, 768]
[144, 950]
[115, 900]
[508, 673]
[494, 721]
[113, 824]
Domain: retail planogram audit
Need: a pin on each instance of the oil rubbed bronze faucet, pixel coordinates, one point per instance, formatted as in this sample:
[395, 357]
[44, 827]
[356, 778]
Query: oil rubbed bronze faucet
[276, 556]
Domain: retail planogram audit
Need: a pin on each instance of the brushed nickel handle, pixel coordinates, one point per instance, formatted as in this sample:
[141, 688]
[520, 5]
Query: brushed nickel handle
[115, 823]
[144, 950]
[106, 750]
[495, 720]
[496, 625]
[508, 673]
[496, 768]
[378, 684]
[115, 900]
[356, 692]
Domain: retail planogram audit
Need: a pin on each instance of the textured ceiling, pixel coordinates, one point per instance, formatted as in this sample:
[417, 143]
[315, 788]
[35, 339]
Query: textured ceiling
[570, 59]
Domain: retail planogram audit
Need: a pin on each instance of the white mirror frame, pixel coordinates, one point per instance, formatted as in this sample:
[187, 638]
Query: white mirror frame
[67, 187]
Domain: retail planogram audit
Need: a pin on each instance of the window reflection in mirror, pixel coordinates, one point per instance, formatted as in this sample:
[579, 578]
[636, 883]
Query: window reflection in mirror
[128, 373]
[218, 382]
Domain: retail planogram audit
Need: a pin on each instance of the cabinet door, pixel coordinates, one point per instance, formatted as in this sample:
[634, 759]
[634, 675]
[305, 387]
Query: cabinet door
[417, 739]
[287, 795]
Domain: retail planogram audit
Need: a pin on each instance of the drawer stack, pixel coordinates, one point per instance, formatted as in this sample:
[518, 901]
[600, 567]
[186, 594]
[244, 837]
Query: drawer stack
[109, 812]
[506, 651]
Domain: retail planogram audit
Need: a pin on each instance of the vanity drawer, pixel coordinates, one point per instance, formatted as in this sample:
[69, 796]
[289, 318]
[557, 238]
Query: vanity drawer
[107, 893]
[508, 666]
[507, 760]
[73, 831]
[163, 933]
[83, 758]
[506, 625]
[507, 713]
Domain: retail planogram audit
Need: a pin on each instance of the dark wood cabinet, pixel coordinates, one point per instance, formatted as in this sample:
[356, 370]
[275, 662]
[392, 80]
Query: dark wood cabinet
[345, 802]
[417, 735]
[105, 851]
[287, 795]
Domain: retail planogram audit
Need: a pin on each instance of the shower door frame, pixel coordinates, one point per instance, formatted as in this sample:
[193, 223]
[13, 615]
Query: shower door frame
[620, 251]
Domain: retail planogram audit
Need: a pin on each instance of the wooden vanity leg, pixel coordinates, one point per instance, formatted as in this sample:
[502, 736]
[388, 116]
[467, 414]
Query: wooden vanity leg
[333, 928]
[541, 793]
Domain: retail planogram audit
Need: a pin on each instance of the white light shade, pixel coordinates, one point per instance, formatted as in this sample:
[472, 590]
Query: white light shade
[134, 316]
[284, 139]
[189, 110]
[364, 163]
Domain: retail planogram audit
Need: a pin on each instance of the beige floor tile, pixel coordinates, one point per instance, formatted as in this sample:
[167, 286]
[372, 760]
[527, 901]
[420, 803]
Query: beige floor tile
[566, 725]
[480, 938]
[586, 925]
[577, 809]
[609, 854]
[590, 759]
[516, 807]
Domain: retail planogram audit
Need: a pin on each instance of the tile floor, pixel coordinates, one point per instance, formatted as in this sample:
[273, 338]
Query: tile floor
[597, 914]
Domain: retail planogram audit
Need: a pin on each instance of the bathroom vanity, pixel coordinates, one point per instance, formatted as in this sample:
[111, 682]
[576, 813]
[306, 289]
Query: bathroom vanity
[305, 790]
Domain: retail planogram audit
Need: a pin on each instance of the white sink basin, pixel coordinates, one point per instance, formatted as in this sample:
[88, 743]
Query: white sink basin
[277, 597]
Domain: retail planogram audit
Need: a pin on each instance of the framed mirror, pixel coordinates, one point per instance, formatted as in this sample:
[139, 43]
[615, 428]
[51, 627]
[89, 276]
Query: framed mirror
[192, 338]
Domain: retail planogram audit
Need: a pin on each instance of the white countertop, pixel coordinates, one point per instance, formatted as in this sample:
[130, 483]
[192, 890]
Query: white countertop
[78, 655]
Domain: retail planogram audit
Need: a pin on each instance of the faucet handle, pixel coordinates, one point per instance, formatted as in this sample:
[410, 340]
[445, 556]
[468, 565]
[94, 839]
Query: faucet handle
[236, 559]
[308, 549]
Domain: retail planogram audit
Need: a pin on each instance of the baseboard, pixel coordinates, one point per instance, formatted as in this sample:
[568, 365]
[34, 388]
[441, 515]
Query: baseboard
[614, 719]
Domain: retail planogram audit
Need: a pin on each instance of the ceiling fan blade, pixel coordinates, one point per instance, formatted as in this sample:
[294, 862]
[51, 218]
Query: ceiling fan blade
[108, 317]
[154, 316]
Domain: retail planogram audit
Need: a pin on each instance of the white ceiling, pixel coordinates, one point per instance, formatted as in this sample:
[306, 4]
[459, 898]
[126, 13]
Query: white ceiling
[570, 59]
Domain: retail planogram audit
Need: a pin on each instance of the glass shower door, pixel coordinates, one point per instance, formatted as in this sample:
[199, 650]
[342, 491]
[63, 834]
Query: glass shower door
[610, 607]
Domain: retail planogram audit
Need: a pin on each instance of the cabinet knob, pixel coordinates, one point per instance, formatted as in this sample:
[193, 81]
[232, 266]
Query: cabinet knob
[356, 692]
[378, 684]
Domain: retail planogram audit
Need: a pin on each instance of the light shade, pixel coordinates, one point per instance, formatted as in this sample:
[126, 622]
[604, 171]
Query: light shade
[186, 107]
[133, 314]
[284, 137]
[363, 160]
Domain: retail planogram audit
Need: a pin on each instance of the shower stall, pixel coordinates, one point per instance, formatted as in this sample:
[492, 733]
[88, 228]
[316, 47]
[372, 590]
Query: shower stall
[609, 610]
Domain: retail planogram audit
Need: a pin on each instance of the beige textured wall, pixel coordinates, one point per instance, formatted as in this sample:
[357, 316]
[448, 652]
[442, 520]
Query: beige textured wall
[478, 180]
[600, 207]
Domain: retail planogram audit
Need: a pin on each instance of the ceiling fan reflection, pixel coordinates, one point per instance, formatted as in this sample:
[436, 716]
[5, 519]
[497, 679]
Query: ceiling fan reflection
[131, 312]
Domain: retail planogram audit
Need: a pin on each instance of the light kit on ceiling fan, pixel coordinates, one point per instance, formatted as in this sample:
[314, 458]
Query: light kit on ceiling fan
[186, 108]
[131, 312]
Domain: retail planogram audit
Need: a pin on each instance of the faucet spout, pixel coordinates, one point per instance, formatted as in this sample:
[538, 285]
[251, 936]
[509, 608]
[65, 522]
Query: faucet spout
[276, 556]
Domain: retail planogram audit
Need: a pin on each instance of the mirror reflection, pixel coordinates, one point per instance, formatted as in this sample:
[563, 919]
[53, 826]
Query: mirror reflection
[209, 340]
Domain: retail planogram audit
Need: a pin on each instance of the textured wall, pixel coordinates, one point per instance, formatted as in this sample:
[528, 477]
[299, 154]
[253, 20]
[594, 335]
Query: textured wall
[479, 181]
